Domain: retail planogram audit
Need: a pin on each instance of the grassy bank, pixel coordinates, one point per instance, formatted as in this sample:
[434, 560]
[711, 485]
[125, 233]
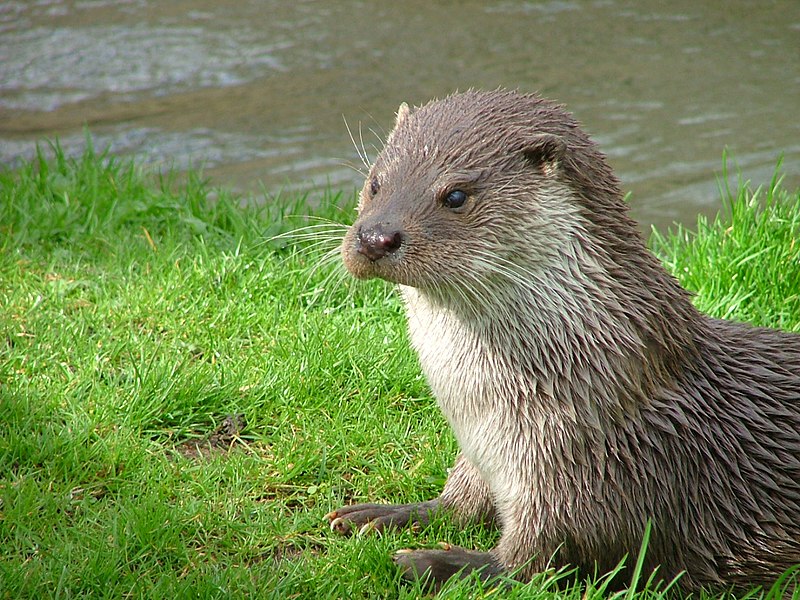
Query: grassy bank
[182, 402]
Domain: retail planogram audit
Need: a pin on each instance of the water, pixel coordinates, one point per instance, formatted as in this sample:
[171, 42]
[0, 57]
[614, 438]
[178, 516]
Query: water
[257, 92]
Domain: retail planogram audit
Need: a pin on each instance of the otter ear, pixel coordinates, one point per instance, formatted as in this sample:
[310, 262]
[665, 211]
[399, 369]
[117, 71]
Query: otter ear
[545, 150]
[402, 113]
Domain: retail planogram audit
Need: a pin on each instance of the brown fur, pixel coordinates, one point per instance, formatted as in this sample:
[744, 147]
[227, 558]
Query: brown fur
[587, 393]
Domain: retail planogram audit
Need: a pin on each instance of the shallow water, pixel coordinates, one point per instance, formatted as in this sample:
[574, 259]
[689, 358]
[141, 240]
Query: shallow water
[258, 92]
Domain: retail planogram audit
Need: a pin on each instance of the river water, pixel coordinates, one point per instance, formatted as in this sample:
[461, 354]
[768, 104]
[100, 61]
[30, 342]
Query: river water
[258, 92]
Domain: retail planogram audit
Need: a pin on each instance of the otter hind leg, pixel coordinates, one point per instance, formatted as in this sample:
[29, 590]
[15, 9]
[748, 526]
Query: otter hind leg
[377, 517]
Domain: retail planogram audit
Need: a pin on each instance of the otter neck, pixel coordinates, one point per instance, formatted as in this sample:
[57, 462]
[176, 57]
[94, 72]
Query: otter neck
[575, 342]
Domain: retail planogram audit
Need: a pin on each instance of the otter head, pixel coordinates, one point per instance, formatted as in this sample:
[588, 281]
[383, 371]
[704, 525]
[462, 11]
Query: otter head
[504, 220]
[473, 186]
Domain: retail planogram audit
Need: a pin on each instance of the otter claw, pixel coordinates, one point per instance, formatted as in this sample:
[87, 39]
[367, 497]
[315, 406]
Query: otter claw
[338, 524]
[367, 527]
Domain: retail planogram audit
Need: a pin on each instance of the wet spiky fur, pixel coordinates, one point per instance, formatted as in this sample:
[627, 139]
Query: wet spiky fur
[586, 392]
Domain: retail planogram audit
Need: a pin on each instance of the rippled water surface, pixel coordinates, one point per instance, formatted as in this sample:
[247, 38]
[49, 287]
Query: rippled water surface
[258, 92]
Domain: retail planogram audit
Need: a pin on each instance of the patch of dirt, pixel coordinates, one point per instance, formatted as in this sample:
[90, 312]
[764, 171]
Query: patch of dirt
[290, 550]
[221, 441]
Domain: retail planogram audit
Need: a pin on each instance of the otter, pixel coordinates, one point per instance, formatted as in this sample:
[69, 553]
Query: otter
[588, 396]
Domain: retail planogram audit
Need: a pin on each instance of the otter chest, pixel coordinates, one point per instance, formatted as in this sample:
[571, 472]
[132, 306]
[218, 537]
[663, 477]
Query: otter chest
[474, 385]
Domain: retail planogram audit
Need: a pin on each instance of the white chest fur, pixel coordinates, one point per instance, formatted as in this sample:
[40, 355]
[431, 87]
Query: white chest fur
[478, 395]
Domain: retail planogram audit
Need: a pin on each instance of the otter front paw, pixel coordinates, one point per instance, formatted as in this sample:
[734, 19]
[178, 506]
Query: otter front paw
[434, 567]
[377, 517]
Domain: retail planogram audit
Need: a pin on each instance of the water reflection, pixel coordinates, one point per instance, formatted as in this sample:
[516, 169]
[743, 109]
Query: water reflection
[257, 91]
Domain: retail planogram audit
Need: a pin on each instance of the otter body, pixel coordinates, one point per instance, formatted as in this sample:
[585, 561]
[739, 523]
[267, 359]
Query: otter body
[586, 392]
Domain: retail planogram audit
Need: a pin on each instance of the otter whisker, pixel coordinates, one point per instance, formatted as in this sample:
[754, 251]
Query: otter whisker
[514, 273]
[353, 167]
[497, 264]
[467, 295]
[325, 246]
[327, 259]
[379, 137]
[362, 156]
[491, 301]
[310, 232]
[380, 145]
[363, 148]
[328, 220]
[471, 298]
[330, 257]
[480, 292]
[318, 219]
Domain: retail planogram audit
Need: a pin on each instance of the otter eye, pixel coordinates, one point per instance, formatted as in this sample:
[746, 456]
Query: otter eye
[374, 186]
[455, 199]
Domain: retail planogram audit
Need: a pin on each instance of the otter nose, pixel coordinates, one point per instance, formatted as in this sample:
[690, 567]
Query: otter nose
[376, 241]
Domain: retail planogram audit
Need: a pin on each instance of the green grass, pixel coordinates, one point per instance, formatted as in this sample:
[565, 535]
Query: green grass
[745, 264]
[139, 313]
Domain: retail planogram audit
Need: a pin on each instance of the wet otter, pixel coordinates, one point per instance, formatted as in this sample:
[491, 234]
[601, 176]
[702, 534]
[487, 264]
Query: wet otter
[586, 392]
